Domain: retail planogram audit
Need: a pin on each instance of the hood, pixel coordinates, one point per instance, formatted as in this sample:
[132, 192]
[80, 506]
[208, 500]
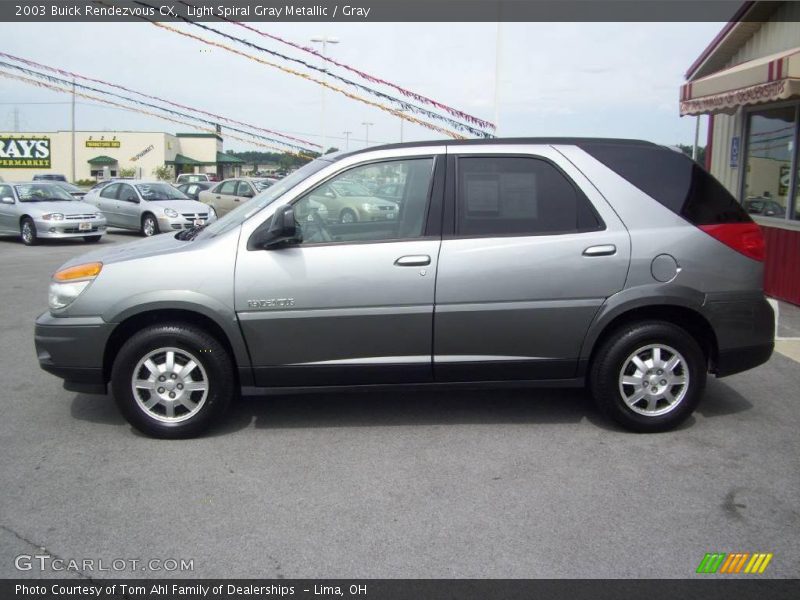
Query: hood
[182, 206]
[71, 207]
[159, 244]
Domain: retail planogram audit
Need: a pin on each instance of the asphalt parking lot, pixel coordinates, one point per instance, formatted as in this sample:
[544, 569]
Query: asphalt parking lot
[521, 483]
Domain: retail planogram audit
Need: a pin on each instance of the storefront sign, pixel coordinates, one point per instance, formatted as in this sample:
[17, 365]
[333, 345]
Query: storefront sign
[102, 143]
[24, 153]
[785, 178]
[142, 153]
[735, 151]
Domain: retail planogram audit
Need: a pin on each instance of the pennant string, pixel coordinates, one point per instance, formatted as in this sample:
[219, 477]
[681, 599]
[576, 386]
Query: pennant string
[119, 87]
[371, 78]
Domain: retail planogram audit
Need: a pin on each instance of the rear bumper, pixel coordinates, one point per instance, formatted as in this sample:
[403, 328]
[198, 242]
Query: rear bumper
[72, 348]
[745, 332]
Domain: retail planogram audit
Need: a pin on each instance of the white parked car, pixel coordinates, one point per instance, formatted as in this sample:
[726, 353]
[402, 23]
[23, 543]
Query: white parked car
[35, 210]
[229, 194]
[150, 207]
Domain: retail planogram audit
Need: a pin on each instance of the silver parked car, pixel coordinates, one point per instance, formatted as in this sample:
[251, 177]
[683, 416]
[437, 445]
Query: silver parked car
[613, 264]
[150, 207]
[228, 194]
[44, 210]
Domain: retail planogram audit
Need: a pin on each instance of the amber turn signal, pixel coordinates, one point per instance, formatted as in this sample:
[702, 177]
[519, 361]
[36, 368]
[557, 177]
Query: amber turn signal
[85, 271]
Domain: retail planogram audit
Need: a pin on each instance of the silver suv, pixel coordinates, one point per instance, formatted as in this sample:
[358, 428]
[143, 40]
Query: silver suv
[616, 264]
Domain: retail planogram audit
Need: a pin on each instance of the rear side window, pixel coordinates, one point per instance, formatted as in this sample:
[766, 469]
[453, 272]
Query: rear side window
[672, 179]
[509, 195]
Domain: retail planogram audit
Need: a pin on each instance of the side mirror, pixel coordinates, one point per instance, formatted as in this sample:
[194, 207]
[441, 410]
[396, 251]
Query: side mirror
[7, 200]
[282, 229]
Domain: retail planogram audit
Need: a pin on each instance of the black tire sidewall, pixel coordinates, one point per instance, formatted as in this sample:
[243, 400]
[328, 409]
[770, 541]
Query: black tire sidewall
[604, 374]
[205, 348]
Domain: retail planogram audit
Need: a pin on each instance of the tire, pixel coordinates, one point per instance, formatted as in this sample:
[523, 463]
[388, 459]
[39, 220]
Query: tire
[665, 402]
[27, 231]
[193, 411]
[149, 225]
[91, 239]
[347, 216]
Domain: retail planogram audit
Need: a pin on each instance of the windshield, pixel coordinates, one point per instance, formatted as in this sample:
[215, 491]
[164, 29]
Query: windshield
[349, 188]
[160, 191]
[240, 214]
[69, 187]
[41, 192]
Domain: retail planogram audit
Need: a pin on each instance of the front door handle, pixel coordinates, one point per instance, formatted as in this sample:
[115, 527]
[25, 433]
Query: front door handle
[413, 260]
[604, 250]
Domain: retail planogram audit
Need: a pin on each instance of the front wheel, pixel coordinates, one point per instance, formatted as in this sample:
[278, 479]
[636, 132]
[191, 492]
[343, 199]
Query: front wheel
[648, 376]
[347, 216]
[173, 380]
[27, 231]
[149, 226]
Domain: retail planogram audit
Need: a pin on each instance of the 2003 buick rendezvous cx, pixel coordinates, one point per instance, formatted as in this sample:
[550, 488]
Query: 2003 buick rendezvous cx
[616, 264]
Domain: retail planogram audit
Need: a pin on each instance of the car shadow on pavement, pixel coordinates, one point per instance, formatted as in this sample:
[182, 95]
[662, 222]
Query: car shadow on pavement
[403, 408]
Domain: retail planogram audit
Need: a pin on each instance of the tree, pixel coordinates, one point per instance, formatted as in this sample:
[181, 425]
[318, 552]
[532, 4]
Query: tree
[163, 173]
[129, 172]
[330, 150]
[701, 153]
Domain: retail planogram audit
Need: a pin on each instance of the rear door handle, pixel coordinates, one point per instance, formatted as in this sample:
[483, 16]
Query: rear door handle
[604, 250]
[413, 260]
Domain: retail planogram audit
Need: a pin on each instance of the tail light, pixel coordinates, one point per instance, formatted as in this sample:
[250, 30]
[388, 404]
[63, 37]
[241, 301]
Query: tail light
[742, 237]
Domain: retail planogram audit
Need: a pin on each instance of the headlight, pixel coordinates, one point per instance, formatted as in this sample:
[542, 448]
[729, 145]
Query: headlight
[99, 215]
[170, 213]
[71, 282]
[367, 207]
[53, 217]
[212, 214]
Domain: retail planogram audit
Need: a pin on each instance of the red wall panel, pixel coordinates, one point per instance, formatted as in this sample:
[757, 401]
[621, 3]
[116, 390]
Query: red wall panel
[782, 265]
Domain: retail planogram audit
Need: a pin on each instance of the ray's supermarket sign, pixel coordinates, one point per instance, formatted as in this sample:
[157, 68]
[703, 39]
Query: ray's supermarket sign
[25, 153]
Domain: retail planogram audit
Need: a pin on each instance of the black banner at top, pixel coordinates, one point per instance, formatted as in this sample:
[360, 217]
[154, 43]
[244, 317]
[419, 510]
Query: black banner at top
[373, 11]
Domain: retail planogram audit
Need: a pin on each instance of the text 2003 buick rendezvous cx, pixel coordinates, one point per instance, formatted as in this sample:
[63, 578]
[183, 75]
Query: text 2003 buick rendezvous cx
[617, 264]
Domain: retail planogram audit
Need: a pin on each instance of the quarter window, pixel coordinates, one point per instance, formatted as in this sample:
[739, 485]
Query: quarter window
[347, 207]
[506, 195]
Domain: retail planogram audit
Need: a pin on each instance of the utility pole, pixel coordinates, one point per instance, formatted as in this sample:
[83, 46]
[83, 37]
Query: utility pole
[324, 40]
[347, 139]
[367, 125]
[401, 125]
[696, 137]
[73, 129]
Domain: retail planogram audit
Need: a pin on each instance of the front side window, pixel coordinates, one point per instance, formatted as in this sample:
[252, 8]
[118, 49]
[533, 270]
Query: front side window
[505, 195]
[768, 163]
[343, 209]
[244, 189]
[127, 193]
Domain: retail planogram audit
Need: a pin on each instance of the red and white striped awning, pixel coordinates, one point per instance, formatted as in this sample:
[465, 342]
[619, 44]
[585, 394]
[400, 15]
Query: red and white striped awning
[768, 79]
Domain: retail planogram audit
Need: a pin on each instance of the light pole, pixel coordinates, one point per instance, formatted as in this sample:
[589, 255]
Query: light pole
[347, 139]
[401, 124]
[324, 40]
[367, 125]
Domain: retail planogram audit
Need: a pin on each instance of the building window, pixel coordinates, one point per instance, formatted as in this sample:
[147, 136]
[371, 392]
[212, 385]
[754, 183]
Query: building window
[771, 143]
[99, 173]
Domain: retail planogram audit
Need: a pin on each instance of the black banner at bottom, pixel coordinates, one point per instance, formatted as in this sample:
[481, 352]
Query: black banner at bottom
[405, 589]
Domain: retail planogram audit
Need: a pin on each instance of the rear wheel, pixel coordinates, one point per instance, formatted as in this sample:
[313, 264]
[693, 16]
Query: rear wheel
[149, 225]
[173, 380]
[648, 376]
[27, 231]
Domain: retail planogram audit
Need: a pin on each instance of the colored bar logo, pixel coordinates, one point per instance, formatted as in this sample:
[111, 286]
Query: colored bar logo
[734, 563]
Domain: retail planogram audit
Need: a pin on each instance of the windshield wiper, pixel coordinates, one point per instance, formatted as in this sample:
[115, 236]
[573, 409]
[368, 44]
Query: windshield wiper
[191, 233]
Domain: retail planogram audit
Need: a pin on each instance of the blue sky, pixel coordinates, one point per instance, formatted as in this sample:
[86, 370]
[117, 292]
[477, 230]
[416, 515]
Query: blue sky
[583, 79]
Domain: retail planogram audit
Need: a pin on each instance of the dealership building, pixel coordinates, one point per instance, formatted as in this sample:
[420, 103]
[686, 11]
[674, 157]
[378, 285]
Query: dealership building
[102, 154]
[748, 83]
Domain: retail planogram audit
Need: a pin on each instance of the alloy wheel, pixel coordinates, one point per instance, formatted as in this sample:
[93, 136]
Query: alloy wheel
[654, 380]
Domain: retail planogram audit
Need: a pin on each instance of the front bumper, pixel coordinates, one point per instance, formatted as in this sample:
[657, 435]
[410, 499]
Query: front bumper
[181, 222]
[72, 348]
[67, 228]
